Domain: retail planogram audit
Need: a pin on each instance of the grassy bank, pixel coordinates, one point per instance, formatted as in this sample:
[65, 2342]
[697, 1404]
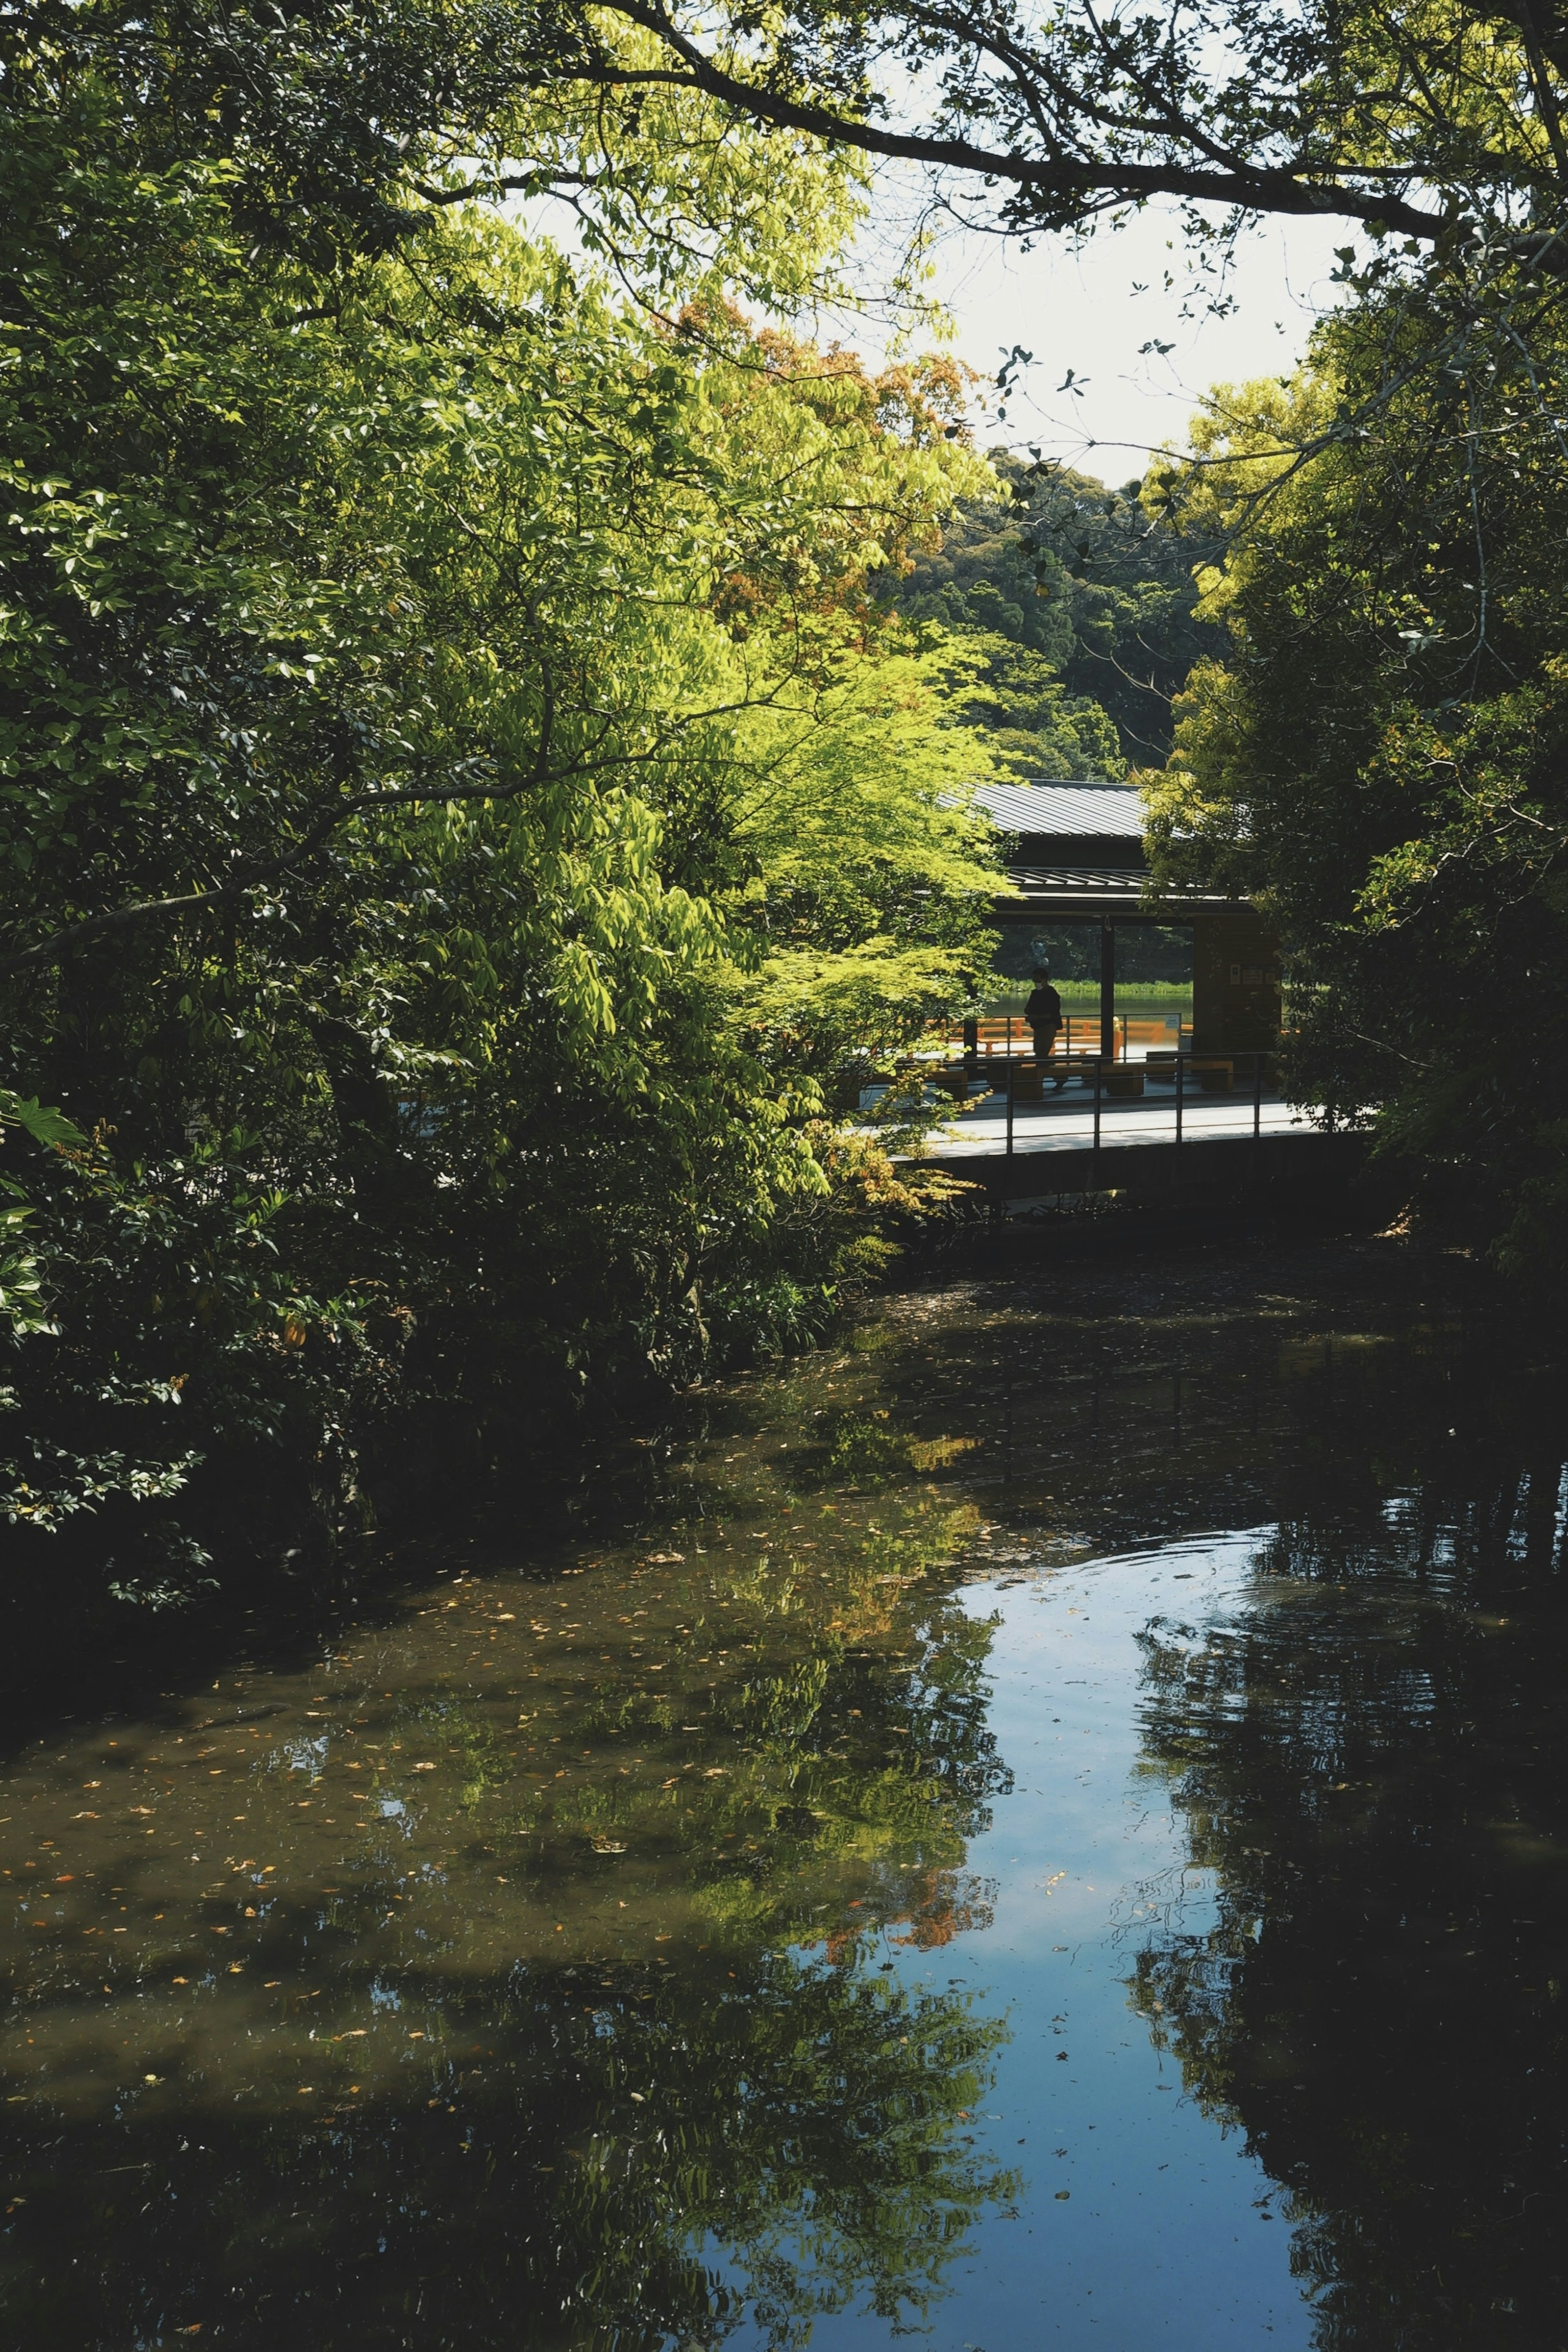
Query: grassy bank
[1141, 996]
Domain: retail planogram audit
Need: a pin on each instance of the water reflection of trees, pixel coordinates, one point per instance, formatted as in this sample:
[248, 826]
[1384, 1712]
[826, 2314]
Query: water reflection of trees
[1369, 1757]
[603, 2165]
[854, 1745]
[627, 2139]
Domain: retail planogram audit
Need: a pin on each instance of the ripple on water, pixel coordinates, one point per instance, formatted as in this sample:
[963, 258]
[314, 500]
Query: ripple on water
[1027, 1839]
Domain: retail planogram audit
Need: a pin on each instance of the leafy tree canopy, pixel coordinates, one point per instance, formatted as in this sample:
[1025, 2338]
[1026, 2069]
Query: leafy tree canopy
[435, 686]
[1430, 125]
[1082, 607]
[1377, 757]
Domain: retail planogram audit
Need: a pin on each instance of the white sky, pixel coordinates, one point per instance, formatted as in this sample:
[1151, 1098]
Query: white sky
[1078, 307]
[1075, 306]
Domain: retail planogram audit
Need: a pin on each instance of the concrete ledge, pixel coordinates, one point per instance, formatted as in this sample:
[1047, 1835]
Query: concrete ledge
[1223, 1163]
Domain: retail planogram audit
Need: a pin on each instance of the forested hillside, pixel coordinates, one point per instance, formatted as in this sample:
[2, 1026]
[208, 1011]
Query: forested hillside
[1079, 611]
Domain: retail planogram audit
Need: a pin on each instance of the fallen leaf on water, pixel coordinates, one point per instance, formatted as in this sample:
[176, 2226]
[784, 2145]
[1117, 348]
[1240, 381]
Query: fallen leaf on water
[424, 1768]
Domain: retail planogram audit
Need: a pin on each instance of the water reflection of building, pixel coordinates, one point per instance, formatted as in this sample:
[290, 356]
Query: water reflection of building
[1075, 857]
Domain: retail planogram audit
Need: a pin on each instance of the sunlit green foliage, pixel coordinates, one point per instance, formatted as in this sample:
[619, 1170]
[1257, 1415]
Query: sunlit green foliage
[22, 1308]
[427, 674]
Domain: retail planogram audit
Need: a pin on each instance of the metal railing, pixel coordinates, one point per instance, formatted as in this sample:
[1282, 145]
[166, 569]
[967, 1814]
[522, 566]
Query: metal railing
[1219, 1064]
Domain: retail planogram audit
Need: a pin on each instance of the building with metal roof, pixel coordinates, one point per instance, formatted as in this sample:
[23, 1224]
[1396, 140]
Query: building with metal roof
[1079, 811]
[1074, 853]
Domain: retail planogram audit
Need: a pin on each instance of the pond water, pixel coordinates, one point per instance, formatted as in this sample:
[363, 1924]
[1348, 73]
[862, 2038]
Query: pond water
[1047, 1826]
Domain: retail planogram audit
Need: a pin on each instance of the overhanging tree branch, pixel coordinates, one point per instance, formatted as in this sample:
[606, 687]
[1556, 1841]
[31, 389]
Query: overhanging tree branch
[1070, 180]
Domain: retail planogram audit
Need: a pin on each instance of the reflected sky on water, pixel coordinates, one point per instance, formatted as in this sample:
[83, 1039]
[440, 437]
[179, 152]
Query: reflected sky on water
[1044, 1827]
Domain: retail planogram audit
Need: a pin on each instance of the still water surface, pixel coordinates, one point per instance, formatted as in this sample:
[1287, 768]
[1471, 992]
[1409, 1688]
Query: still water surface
[1047, 1826]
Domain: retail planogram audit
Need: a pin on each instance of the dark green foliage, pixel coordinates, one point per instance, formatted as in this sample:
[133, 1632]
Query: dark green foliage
[1380, 758]
[1083, 608]
[1145, 951]
[1132, 595]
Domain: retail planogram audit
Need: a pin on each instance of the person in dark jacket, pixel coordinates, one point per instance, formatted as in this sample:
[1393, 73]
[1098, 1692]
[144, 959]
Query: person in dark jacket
[1044, 1014]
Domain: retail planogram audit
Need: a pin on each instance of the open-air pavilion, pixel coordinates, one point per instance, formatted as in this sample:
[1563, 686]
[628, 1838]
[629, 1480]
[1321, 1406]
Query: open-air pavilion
[1076, 856]
[1111, 1107]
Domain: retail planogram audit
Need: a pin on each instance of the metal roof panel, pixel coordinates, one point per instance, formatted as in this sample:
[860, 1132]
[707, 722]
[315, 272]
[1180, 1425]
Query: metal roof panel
[1064, 809]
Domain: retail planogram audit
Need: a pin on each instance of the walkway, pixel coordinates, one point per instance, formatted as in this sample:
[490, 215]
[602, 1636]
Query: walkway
[1065, 1122]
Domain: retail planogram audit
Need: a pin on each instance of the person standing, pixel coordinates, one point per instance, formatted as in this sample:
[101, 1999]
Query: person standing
[1044, 1014]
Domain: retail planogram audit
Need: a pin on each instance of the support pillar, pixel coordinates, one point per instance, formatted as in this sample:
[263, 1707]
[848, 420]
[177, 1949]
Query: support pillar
[1235, 985]
[1108, 992]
